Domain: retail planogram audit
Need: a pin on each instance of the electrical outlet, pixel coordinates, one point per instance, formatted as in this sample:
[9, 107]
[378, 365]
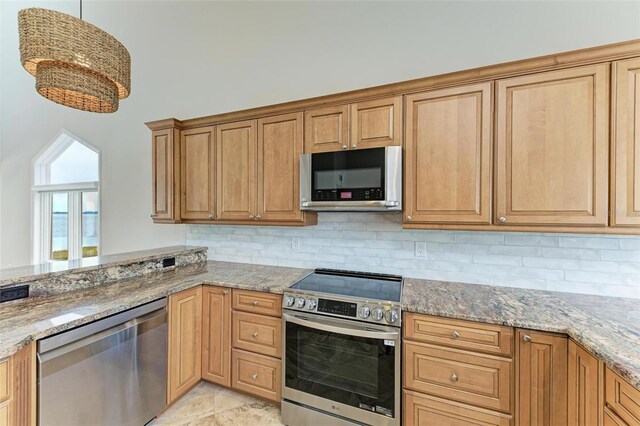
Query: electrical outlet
[295, 243]
[421, 249]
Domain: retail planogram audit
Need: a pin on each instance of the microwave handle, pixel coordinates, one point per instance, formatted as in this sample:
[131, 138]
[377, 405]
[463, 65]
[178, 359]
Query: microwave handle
[351, 331]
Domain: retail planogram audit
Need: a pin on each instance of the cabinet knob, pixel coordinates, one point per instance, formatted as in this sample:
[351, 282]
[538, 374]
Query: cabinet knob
[210, 216]
[344, 147]
[408, 217]
[526, 338]
[455, 334]
[225, 292]
[354, 146]
[255, 303]
[454, 378]
[254, 376]
[255, 334]
[502, 219]
[250, 216]
[258, 217]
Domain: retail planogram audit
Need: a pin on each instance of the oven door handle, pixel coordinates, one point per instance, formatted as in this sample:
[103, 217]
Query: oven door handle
[351, 331]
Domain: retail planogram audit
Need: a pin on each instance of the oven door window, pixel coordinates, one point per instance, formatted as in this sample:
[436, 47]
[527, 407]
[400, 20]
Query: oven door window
[355, 371]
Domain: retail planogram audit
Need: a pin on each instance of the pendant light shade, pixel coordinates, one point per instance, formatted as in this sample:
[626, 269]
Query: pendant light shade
[75, 63]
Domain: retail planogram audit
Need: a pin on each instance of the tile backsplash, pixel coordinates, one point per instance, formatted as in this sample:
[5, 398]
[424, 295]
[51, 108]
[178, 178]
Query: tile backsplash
[594, 264]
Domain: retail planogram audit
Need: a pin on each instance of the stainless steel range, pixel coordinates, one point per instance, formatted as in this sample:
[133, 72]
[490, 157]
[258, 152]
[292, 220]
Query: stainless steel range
[342, 349]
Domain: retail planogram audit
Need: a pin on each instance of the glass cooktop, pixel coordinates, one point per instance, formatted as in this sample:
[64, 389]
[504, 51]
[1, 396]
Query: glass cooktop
[355, 284]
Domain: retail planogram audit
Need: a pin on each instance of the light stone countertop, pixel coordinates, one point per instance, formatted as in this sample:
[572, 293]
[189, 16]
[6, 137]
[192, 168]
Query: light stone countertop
[607, 327]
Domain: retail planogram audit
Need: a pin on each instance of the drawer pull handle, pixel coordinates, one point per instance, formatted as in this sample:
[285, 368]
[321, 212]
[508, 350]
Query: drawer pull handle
[255, 303]
[455, 334]
[255, 334]
[526, 338]
[254, 376]
[454, 378]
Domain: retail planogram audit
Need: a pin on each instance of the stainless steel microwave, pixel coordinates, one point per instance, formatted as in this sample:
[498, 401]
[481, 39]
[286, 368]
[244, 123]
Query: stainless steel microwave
[354, 180]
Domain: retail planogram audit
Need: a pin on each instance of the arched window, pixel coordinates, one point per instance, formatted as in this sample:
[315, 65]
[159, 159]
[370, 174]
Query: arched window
[66, 200]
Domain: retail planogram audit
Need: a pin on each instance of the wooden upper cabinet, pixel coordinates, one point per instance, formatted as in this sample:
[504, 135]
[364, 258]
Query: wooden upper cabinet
[165, 171]
[236, 171]
[625, 185]
[216, 335]
[586, 385]
[376, 123]
[448, 155]
[280, 144]
[541, 376]
[326, 129]
[185, 342]
[552, 148]
[197, 173]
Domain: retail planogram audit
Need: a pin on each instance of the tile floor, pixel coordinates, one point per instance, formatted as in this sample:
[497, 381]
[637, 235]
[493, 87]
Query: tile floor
[211, 405]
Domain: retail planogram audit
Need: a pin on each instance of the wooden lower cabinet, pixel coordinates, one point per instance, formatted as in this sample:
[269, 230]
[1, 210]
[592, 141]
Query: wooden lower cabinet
[586, 385]
[622, 399]
[184, 342]
[256, 374]
[426, 410]
[18, 388]
[541, 376]
[216, 335]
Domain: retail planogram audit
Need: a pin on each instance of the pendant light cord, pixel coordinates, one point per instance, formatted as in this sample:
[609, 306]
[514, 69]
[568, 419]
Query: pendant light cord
[80, 9]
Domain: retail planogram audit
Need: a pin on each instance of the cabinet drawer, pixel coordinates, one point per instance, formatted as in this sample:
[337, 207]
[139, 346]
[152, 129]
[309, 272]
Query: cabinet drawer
[257, 333]
[256, 374]
[425, 410]
[473, 336]
[622, 398]
[481, 380]
[257, 302]
[5, 379]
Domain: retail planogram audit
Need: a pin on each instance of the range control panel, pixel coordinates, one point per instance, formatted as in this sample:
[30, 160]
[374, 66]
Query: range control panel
[365, 310]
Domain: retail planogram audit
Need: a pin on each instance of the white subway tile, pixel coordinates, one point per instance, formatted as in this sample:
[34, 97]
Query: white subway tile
[530, 240]
[492, 259]
[464, 248]
[621, 255]
[547, 274]
[571, 253]
[589, 242]
[515, 250]
[630, 243]
[479, 238]
[551, 263]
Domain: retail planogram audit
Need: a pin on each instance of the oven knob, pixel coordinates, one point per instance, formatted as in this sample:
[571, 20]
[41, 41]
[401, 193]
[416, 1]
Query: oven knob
[311, 304]
[365, 311]
[289, 300]
[377, 314]
[391, 316]
[300, 302]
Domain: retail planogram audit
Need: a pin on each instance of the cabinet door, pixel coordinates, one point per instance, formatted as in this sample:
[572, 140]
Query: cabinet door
[216, 335]
[376, 123]
[448, 152]
[236, 171]
[625, 185]
[197, 173]
[552, 148]
[326, 129]
[541, 374]
[185, 344]
[165, 159]
[280, 145]
[585, 387]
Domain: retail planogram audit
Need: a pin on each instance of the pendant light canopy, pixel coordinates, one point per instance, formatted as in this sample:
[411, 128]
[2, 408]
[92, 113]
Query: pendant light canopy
[75, 63]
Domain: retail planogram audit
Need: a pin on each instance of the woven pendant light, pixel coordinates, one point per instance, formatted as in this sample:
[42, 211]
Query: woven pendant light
[75, 63]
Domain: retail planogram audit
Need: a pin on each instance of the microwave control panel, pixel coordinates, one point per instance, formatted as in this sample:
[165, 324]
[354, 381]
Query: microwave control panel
[359, 194]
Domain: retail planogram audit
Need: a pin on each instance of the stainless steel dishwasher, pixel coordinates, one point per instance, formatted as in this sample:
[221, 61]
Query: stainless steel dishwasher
[109, 372]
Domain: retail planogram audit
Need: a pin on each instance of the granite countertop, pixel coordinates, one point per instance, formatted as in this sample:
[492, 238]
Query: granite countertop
[608, 327]
[24, 321]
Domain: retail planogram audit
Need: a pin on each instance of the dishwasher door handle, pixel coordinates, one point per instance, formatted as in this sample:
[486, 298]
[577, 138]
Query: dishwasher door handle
[140, 324]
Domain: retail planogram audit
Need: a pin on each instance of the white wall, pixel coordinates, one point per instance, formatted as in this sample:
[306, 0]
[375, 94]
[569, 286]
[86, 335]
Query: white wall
[200, 58]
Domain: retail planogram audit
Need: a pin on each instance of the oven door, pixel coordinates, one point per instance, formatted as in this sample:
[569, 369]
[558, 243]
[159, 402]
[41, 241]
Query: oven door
[353, 180]
[345, 368]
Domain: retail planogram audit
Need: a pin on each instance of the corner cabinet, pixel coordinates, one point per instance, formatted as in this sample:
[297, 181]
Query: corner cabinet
[625, 161]
[541, 378]
[552, 148]
[165, 169]
[367, 124]
[448, 155]
[216, 335]
[184, 342]
[586, 386]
